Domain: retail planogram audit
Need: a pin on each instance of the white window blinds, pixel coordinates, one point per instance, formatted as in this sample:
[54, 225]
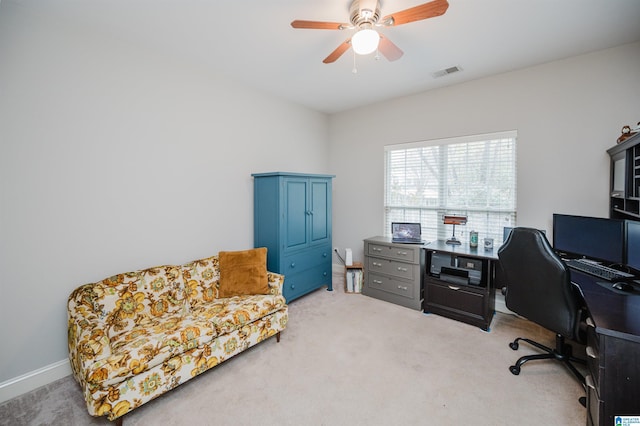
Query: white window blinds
[473, 176]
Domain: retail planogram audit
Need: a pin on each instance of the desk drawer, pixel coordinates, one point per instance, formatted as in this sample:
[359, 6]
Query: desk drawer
[594, 404]
[458, 298]
[395, 252]
[596, 369]
[393, 267]
[391, 285]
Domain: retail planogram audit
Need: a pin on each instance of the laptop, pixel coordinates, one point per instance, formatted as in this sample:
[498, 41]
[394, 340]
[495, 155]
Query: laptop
[407, 233]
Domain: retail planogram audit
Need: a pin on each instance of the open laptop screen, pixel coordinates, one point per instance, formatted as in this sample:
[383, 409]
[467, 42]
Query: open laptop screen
[403, 232]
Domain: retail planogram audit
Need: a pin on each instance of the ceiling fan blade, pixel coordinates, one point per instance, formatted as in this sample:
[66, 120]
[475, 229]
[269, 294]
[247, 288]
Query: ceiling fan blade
[389, 50]
[417, 13]
[338, 52]
[319, 25]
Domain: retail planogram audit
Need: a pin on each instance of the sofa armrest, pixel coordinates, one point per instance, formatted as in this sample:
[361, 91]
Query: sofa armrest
[276, 282]
[87, 337]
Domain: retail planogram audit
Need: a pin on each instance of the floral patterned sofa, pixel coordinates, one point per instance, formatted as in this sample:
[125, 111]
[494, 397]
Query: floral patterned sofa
[134, 336]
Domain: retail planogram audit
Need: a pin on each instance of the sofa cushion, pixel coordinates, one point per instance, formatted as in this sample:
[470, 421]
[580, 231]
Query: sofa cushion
[243, 272]
[229, 314]
[201, 280]
[149, 344]
[149, 292]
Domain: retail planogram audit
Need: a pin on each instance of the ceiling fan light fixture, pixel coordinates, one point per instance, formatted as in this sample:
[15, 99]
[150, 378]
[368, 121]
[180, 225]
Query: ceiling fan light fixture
[365, 41]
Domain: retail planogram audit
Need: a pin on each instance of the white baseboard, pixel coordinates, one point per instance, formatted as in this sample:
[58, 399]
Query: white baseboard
[27, 382]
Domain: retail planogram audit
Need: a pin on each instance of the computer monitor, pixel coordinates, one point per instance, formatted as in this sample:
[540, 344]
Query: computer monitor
[505, 232]
[633, 244]
[590, 237]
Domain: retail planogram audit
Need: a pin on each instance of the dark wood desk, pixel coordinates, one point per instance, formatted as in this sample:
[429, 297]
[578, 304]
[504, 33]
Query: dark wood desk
[613, 351]
[470, 299]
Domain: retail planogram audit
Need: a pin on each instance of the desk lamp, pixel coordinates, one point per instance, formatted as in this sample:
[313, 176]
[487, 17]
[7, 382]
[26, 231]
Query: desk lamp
[454, 220]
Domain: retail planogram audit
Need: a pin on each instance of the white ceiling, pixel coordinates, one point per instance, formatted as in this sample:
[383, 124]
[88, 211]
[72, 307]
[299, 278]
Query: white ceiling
[252, 40]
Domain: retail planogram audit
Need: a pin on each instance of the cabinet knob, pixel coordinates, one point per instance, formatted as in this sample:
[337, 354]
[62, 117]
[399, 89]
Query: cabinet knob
[376, 249]
[324, 274]
[402, 253]
[377, 281]
[293, 264]
[379, 265]
[402, 287]
[401, 269]
[324, 254]
[293, 286]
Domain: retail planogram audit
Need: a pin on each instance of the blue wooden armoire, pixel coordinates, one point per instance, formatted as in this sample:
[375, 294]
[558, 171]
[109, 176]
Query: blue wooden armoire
[292, 219]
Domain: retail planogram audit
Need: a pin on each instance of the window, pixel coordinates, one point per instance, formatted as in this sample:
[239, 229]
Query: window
[473, 176]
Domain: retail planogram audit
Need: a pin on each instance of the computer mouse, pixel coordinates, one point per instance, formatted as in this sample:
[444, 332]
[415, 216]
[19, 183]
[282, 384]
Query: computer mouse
[623, 286]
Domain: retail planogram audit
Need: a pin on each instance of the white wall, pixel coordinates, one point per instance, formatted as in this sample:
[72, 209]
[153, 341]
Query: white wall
[567, 113]
[112, 159]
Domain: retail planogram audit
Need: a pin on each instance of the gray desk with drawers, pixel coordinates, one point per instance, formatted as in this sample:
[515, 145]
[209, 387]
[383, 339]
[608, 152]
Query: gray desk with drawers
[453, 281]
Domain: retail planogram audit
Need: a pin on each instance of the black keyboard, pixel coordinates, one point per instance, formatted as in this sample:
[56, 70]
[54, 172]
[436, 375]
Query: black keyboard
[600, 271]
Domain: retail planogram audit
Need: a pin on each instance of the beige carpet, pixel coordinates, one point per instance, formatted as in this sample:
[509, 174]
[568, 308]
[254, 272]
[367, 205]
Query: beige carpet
[352, 360]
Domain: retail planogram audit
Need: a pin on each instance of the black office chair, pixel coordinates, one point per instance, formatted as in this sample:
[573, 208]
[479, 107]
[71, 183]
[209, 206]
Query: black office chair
[538, 287]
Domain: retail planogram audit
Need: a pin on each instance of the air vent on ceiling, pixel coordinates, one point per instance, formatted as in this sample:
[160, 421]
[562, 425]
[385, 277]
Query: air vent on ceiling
[446, 71]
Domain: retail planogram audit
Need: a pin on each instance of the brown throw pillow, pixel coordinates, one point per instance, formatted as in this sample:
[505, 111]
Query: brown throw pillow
[243, 272]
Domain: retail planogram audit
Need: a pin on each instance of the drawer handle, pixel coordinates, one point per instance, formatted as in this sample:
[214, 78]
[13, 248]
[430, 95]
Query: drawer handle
[376, 249]
[379, 265]
[405, 288]
[454, 287]
[403, 253]
[590, 352]
[377, 281]
[589, 382]
[401, 269]
[590, 322]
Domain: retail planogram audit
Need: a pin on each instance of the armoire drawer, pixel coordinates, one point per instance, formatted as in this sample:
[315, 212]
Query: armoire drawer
[296, 285]
[302, 261]
[395, 252]
[391, 285]
[394, 268]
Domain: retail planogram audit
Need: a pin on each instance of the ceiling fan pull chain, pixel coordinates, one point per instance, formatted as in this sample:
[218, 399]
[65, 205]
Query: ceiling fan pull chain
[355, 69]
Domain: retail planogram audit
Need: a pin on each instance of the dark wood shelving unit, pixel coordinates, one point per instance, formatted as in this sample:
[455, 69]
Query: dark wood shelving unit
[624, 199]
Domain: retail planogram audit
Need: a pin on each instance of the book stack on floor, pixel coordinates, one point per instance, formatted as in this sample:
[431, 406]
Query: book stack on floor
[354, 277]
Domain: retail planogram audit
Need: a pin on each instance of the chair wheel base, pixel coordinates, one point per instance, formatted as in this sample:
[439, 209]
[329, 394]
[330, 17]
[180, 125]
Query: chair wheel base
[515, 370]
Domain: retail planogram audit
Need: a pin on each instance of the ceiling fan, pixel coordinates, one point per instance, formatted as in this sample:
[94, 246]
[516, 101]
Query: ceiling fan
[364, 17]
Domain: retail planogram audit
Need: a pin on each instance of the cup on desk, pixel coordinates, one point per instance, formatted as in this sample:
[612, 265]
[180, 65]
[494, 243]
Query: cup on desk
[488, 243]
